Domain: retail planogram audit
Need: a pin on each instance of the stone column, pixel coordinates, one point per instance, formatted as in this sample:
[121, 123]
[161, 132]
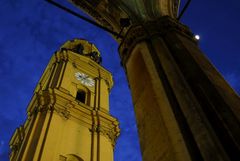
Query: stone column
[185, 110]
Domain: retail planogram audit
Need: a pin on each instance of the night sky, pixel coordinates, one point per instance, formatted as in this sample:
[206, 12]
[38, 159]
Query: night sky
[30, 32]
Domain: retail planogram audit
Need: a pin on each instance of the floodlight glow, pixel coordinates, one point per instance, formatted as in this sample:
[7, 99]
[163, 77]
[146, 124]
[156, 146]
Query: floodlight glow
[197, 37]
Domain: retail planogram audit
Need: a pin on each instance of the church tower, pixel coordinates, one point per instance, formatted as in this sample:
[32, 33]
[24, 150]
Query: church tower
[68, 115]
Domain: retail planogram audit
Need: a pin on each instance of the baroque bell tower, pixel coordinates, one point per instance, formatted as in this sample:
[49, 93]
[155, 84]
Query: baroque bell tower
[68, 115]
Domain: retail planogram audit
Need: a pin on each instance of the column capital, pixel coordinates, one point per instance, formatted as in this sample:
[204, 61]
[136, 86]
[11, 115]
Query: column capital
[148, 30]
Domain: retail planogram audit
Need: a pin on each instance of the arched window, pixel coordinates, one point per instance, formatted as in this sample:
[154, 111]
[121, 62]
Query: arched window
[81, 96]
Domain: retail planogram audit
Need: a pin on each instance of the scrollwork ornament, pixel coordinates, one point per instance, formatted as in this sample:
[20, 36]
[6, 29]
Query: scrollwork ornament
[64, 113]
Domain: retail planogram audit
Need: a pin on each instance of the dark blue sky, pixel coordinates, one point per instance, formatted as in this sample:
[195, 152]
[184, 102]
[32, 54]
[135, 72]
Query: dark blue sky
[30, 32]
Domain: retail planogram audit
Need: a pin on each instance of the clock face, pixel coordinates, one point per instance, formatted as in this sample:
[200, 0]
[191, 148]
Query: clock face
[84, 79]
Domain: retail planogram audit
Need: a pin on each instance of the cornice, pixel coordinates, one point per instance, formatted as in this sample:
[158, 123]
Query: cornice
[67, 108]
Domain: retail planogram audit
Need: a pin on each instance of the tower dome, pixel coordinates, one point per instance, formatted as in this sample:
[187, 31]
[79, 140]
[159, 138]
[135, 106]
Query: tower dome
[83, 47]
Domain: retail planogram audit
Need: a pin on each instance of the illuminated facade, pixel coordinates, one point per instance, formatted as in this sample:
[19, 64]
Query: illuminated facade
[68, 115]
[185, 110]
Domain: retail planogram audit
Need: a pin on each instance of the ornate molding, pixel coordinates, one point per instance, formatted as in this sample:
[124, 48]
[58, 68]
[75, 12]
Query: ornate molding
[63, 112]
[90, 8]
[16, 140]
[61, 55]
[43, 100]
[147, 31]
[65, 107]
[111, 133]
[159, 8]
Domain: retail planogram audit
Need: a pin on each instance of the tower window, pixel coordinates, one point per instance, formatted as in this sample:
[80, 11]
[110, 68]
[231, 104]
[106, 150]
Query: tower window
[79, 49]
[81, 96]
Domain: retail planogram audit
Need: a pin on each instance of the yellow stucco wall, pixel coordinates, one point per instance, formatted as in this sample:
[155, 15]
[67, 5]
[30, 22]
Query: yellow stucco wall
[60, 127]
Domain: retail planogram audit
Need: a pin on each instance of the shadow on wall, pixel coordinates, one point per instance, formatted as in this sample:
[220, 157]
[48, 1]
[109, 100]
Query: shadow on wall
[70, 157]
